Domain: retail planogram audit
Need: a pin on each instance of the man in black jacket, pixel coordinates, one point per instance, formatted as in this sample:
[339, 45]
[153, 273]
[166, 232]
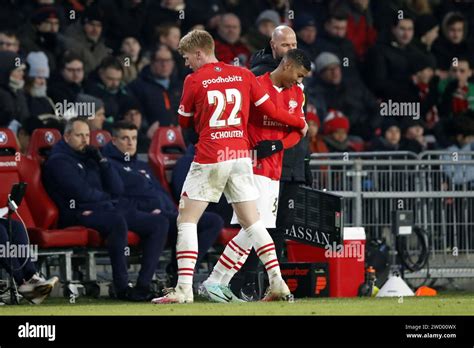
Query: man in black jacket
[86, 187]
[13, 104]
[295, 165]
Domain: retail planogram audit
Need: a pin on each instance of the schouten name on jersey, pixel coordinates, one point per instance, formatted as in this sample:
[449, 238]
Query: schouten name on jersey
[227, 134]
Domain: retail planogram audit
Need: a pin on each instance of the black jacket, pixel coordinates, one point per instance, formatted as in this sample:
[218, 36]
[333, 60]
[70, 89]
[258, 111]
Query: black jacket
[353, 99]
[77, 183]
[12, 103]
[294, 165]
[60, 90]
[390, 68]
[152, 97]
[142, 190]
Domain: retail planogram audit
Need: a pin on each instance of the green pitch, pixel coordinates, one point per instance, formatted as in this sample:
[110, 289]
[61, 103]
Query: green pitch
[454, 303]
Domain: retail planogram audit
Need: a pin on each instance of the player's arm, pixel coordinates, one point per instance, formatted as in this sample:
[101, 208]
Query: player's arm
[186, 106]
[266, 148]
[264, 105]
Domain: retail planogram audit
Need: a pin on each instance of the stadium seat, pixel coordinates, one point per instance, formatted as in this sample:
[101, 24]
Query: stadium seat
[100, 138]
[167, 147]
[226, 235]
[41, 142]
[37, 210]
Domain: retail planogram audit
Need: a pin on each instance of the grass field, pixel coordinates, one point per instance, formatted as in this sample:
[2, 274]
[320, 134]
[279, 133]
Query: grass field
[454, 303]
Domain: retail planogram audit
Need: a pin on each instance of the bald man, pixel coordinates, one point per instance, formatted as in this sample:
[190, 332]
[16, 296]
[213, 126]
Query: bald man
[266, 60]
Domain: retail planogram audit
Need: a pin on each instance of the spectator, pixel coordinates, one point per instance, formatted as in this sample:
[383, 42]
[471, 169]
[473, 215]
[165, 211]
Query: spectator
[157, 91]
[413, 138]
[336, 132]
[132, 59]
[107, 84]
[145, 193]
[424, 90]
[426, 33]
[333, 40]
[305, 28]
[169, 34]
[66, 85]
[316, 143]
[36, 88]
[390, 136]
[390, 60]
[13, 106]
[257, 38]
[461, 131]
[30, 284]
[42, 34]
[85, 187]
[457, 93]
[360, 30]
[452, 44]
[229, 47]
[131, 112]
[96, 119]
[9, 41]
[329, 90]
[85, 39]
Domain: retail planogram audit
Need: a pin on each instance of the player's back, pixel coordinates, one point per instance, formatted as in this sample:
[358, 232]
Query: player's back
[220, 95]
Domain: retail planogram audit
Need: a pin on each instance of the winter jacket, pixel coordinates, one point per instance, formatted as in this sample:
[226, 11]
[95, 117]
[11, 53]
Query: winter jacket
[12, 103]
[158, 103]
[141, 189]
[77, 183]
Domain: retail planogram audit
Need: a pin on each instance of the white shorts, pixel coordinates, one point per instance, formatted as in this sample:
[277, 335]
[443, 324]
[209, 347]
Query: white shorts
[267, 203]
[234, 178]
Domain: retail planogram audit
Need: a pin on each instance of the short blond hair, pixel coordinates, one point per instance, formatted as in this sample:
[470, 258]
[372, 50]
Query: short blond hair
[196, 39]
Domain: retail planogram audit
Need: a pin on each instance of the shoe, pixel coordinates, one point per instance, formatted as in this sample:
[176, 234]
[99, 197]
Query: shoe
[278, 291]
[140, 294]
[37, 289]
[213, 293]
[175, 295]
[121, 294]
[248, 293]
[227, 292]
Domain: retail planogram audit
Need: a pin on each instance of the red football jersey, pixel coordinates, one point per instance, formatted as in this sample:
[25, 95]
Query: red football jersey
[218, 97]
[261, 127]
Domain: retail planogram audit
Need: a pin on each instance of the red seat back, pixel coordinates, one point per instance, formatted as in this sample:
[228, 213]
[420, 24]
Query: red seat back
[36, 209]
[100, 138]
[167, 147]
[41, 141]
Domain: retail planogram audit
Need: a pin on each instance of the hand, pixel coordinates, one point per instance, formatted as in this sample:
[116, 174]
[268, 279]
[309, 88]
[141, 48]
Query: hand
[95, 154]
[156, 211]
[304, 130]
[87, 212]
[267, 148]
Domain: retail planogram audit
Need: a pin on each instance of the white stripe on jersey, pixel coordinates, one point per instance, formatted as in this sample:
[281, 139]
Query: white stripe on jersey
[262, 100]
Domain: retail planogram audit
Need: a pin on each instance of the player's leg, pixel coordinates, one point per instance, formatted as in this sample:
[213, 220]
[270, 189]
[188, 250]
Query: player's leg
[200, 188]
[240, 190]
[190, 212]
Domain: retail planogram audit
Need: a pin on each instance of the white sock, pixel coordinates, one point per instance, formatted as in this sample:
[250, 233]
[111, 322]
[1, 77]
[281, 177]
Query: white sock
[265, 249]
[186, 253]
[230, 273]
[234, 250]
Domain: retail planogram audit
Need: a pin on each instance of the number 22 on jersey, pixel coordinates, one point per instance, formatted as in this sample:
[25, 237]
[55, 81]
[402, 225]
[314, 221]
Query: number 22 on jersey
[232, 96]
